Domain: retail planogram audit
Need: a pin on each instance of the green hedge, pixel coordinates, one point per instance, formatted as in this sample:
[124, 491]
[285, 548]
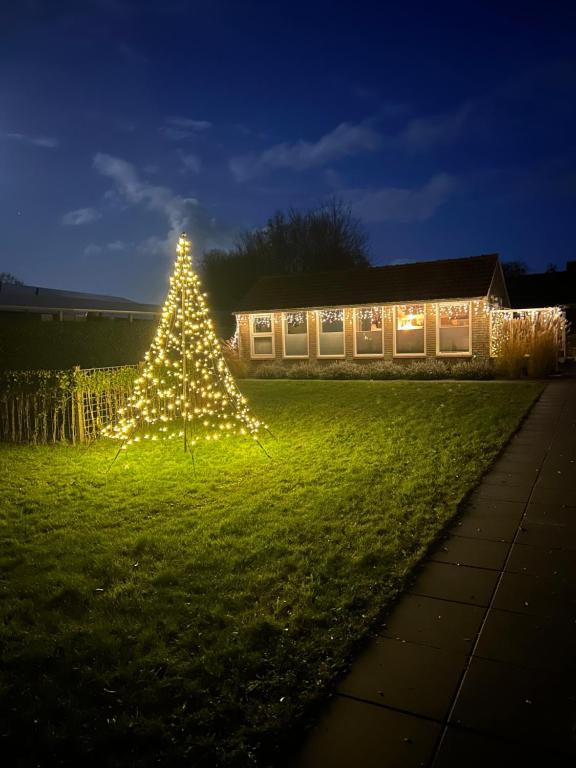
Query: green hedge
[421, 370]
[28, 343]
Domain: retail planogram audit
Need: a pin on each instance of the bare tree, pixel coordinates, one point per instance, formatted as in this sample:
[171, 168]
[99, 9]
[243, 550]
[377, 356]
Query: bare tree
[322, 239]
[514, 268]
[9, 279]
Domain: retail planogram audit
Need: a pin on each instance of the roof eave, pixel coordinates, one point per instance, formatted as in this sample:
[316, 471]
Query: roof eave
[315, 307]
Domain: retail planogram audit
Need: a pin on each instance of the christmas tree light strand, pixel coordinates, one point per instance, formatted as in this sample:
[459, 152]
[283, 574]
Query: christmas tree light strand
[185, 386]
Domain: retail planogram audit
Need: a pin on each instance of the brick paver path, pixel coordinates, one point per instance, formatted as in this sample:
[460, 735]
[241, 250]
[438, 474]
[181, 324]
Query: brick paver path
[476, 665]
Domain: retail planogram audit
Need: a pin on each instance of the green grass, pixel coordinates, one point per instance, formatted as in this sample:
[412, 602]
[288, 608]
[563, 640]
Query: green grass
[154, 616]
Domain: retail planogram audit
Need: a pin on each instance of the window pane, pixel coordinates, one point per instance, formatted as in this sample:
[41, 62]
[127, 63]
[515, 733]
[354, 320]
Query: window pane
[410, 330]
[454, 340]
[296, 323]
[453, 333]
[455, 315]
[296, 345]
[368, 330]
[262, 324]
[263, 345]
[369, 342]
[332, 343]
[368, 319]
[332, 321]
[296, 334]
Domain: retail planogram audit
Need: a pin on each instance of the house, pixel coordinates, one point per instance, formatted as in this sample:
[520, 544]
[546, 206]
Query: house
[50, 328]
[425, 310]
[47, 304]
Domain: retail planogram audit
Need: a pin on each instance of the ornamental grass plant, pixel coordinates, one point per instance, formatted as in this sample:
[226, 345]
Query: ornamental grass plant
[528, 345]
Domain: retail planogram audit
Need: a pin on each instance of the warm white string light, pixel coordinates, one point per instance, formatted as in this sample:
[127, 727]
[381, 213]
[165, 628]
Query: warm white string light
[185, 386]
[545, 318]
[332, 315]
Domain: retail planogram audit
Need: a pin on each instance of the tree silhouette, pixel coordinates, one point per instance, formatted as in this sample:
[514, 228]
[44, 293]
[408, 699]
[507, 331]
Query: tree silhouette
[323, 239]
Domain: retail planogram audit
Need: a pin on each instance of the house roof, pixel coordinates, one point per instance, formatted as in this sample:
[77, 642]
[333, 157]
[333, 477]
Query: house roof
[544, 289]
[31, 298]
[420, 281]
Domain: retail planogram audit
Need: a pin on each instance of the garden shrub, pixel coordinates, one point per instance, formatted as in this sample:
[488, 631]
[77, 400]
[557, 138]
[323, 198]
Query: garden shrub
[381, 370]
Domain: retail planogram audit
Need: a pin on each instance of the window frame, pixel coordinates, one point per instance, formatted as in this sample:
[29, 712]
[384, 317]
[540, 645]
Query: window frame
[454, 304]
[355, 331]
[284, 334]
[395, 353]
[318, 331]
[262, 334]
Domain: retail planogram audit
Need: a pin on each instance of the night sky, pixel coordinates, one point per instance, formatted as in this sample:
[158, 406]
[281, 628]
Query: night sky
[448, 128]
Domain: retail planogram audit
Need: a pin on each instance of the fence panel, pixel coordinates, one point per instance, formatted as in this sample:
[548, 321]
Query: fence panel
[68, 406]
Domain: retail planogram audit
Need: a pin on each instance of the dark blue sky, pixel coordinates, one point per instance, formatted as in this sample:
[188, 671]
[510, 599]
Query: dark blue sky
[448, 128]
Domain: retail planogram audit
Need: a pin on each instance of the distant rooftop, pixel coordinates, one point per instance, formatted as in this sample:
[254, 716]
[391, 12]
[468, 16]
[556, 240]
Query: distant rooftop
[33, 298]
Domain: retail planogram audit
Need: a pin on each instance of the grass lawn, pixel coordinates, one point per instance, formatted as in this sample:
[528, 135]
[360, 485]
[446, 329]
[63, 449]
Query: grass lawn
[153, 616]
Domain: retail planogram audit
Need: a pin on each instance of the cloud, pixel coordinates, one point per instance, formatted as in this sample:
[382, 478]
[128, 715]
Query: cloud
[46, 142]
[402, 204]
[183, 214]
[190, 163]
[346, 139]
[80, 216]
[182, 128]
[422, 133]
[116, 246]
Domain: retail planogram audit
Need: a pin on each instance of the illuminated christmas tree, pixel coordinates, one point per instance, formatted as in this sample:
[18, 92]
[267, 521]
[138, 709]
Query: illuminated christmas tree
[185, 388]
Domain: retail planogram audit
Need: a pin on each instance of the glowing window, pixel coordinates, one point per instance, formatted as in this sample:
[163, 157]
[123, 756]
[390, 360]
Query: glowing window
[331, 333]
[454, 329]
[261, 336]
[368, 330]
[409, 330]
[295, 334]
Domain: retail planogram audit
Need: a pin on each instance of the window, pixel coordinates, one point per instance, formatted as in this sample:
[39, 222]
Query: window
[295, 334]
[368, 331]
[331, 333]
[409, 330]
[453, 329]
[261, 336]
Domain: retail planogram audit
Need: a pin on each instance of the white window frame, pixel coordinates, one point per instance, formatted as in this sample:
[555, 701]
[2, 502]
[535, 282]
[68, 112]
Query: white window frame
[454, 304]
[395, 330]
[263, 334]
[319, 326]
[284, 334]
[355, 343]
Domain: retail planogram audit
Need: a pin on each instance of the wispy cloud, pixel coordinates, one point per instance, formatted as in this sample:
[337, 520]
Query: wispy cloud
[80, 216]
[402, 204]
[422, 133]
[190, 163]
[346, 139]
[182, 128]
[116, 246]
[181, 213]
[46, 142]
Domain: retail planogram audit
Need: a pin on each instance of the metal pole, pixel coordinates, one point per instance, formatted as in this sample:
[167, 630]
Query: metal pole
[184, 393]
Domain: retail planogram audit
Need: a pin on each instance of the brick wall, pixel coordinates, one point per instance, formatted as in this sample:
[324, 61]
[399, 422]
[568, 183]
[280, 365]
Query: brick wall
[480, 336]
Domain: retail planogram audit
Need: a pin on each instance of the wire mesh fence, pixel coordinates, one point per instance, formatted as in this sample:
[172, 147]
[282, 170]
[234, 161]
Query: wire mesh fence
[44, 407]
